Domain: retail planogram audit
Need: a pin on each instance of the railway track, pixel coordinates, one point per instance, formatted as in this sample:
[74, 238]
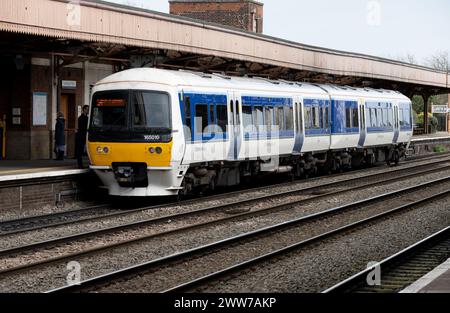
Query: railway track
[401, 269]
[99, 212]
[197, 258]
[235, 210]
[260, 234]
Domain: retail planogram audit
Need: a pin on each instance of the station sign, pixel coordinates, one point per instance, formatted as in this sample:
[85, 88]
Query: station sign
[440, 109]
[69, 84]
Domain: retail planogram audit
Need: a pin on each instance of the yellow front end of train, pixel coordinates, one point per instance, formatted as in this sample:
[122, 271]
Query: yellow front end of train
[130, 142]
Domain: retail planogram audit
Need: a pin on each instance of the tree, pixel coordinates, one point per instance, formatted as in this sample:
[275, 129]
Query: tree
[439, 61]
[407, 58]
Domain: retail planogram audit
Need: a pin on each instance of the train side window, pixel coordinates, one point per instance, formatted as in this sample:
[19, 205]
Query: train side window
[379, 118]
[389, 117]
[348, 116]
[222, 116]
[355, 120]
[201, 118]
[289, 118]
[385, 117]
[315, 117]
[187, 113]
[402, 123]
[268, 117]
[279, 119]
[327, 118]
[258, 118]
[238, 110]
[308, 117]
[212, 115]
[247, 117]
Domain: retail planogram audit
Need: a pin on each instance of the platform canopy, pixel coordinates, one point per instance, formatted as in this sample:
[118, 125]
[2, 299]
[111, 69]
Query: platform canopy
[96, 30]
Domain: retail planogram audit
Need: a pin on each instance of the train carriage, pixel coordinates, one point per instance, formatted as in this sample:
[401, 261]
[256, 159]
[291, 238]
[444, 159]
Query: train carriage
[160, 133]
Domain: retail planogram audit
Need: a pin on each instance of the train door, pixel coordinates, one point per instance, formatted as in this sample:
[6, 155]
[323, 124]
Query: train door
[362, 124]
[234, 100]
[299, 125]
[396, 123]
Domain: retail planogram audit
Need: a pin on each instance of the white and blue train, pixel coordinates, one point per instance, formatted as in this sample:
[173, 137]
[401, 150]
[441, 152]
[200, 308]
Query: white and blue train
[156, 132]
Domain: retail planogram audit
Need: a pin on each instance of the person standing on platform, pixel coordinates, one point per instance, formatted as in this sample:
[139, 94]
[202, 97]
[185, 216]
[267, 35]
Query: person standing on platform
[80, 138]
[60, 137]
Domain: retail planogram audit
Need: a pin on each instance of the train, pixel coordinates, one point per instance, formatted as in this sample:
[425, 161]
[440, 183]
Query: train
[156, 132]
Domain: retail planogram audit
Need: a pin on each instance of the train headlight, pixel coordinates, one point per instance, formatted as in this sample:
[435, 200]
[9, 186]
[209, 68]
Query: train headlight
[102, 150]
[159, 150]
[151, 150]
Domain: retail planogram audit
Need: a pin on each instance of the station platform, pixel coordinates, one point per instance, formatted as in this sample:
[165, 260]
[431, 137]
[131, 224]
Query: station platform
[436, 281]
[16, 170]
[38, 183]
[439, 136]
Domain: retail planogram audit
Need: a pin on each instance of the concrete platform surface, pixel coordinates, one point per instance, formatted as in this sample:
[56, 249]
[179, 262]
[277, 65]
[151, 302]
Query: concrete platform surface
[14, 170]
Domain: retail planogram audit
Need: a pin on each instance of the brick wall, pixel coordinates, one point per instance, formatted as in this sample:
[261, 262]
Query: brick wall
[246, 15]
[34, 195]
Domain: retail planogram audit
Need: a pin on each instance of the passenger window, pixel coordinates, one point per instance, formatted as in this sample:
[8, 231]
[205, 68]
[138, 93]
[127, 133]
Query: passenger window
[355, 121]
[201, 118]
[390, 117]
[321, 118]
[326, 118]
[279, 119]
[348, 116]
[402, 123]
[258, 118]
[289, 118]
[212, 117]
[247, 117]
[316, 118]
[187, 115]
[268, 114]
[222, 116]
[308, 117]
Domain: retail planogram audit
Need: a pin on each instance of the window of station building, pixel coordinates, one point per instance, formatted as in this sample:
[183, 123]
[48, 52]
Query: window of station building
[289, 118]
[201, 118]
[222, 116]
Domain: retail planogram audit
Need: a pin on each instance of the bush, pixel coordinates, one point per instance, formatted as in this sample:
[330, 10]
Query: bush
[433, 121]
[440, 149]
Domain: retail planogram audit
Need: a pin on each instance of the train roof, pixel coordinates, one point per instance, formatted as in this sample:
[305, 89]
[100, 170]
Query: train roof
[190, 80]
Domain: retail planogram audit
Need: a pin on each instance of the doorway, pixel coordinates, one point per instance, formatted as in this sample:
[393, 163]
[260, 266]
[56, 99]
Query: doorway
[68, 108]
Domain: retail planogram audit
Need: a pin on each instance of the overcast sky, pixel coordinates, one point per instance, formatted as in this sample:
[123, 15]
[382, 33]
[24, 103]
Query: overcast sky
[387, 28]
